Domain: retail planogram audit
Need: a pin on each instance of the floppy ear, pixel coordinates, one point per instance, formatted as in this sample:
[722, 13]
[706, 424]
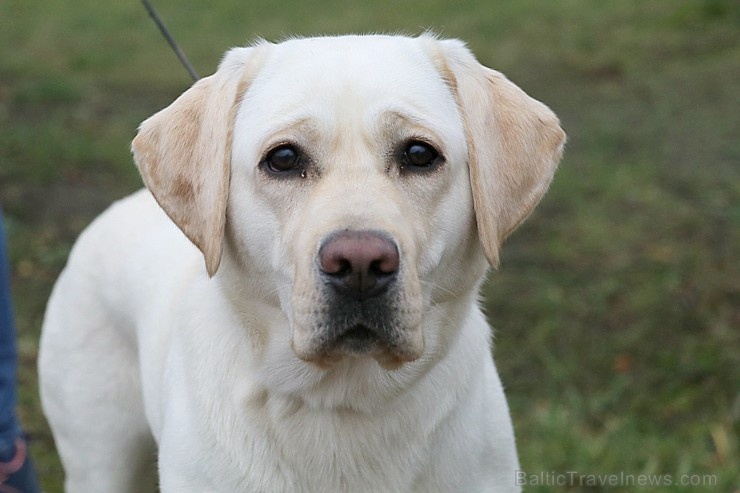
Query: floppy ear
[514, 144]
[184, 154]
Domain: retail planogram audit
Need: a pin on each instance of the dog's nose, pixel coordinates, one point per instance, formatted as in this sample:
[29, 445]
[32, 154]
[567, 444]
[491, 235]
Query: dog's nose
[359, 264]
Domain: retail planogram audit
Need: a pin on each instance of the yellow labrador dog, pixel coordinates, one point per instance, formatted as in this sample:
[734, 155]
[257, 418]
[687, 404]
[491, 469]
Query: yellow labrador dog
[343, 199]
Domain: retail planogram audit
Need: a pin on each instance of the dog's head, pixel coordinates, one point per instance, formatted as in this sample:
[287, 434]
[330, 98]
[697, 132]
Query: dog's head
[356, 181]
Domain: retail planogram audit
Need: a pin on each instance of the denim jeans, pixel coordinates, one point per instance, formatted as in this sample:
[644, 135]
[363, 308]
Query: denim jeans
[9, 426]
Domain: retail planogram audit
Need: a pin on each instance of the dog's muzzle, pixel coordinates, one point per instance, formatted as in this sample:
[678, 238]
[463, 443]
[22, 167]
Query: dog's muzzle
[364, 310]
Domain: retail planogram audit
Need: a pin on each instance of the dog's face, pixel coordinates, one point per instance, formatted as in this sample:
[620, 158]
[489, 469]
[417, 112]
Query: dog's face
[362, 180]
[360, 184]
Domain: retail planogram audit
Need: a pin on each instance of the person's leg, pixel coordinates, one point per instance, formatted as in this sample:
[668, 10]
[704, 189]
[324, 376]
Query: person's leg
[16, 470]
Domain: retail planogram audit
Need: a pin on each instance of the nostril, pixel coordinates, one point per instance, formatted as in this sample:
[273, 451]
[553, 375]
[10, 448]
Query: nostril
[384, 267]
[335, 265]
[345, 268]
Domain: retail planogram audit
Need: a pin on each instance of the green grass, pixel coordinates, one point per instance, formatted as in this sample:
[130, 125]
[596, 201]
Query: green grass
[617, 306]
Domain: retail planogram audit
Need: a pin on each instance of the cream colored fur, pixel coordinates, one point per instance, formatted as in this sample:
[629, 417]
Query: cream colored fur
[203, 370]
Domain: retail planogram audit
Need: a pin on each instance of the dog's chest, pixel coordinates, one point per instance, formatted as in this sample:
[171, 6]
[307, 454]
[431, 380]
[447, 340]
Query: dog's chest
[312, 450]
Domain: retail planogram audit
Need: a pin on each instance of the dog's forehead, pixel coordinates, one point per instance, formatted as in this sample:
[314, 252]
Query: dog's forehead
[350, 52]
[349, 73]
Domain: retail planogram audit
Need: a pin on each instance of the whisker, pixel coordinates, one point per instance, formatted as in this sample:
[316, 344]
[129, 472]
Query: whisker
[437, 286]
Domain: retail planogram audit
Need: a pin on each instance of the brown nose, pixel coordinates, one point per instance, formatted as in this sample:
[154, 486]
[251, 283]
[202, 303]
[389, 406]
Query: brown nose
[359, 264]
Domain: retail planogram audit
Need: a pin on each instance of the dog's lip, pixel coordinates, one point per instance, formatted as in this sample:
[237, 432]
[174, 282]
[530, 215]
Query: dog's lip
[359, 341]
[359, 335]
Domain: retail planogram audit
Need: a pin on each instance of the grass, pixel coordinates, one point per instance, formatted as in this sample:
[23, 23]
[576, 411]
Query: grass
[617, 306]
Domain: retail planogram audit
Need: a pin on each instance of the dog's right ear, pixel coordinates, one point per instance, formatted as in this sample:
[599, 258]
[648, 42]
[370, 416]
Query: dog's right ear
[184, 153]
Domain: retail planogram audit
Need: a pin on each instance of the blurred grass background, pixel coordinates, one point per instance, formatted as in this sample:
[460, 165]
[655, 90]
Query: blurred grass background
[617, 306]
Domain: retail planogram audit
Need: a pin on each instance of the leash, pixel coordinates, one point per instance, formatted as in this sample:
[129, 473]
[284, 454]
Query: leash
[173, 44]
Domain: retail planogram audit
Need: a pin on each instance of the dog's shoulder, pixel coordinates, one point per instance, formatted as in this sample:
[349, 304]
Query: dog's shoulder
[132, 238]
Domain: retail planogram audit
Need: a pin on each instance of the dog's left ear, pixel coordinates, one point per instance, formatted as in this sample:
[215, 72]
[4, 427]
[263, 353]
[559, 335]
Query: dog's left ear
[514, 144]
[184, 154]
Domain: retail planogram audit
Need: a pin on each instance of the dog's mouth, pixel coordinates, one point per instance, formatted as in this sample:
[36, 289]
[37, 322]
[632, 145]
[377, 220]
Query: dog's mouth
[358, 340]
[390, 349]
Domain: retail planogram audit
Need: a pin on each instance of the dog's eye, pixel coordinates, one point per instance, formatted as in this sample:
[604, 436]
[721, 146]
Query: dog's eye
[419, 155]
[282, 159]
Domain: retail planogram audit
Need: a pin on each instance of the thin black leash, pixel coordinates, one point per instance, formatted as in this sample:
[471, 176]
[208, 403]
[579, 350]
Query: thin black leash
[165, 32]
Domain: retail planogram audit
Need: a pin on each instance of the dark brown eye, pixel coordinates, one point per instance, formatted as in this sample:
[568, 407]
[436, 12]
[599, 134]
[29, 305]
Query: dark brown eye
[419, 155]
[282, 159]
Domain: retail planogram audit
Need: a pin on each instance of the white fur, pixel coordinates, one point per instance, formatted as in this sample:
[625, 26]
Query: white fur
[147, 361]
